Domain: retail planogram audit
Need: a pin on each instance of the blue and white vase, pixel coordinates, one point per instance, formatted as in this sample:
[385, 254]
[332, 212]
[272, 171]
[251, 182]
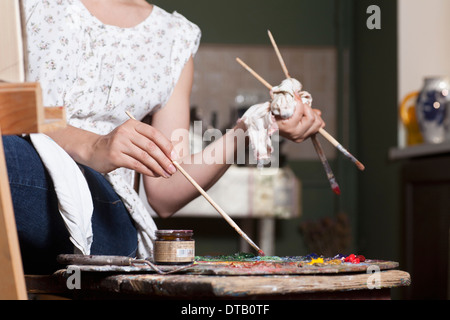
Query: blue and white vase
[432, 108]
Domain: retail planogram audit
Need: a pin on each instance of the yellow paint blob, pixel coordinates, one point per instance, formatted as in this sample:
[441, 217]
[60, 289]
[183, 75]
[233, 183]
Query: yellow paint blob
[318, 260]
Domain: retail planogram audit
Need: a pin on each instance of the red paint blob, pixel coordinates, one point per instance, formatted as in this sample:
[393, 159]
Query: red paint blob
[261, 253]
[337, 190]
[350, 258]
[355, 259]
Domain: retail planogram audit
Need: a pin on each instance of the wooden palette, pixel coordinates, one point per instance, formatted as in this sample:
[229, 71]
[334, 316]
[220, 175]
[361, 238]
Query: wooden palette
[266, 267]
[284, 268]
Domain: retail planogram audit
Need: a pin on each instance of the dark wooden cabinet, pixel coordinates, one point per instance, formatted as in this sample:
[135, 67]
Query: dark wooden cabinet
[426, 216]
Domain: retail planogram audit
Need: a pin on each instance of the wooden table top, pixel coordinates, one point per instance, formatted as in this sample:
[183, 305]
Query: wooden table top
[191, 286]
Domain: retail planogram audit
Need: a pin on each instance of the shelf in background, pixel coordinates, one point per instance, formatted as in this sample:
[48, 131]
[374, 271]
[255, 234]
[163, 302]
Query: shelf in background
[422, 150]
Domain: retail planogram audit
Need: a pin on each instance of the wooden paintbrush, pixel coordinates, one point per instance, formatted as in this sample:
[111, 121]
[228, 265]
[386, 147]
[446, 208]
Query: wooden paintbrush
[212, 202]
[326, 165]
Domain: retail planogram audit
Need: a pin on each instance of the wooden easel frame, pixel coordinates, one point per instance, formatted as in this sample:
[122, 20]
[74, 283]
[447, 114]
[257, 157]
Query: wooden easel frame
[21, 112]
[12, 280]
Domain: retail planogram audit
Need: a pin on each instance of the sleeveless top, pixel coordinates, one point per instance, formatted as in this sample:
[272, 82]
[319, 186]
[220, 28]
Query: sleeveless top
[99, 71]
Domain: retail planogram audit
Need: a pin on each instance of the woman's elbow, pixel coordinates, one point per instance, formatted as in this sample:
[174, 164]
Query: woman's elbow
[163, 210]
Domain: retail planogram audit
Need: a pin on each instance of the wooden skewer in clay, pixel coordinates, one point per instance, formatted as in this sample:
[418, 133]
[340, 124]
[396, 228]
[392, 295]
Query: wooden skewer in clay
[212, 202]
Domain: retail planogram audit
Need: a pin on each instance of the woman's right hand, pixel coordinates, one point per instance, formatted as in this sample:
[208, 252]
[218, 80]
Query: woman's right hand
[134, 145]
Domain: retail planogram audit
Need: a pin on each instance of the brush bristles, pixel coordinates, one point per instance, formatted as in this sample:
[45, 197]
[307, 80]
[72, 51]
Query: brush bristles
[337, 190]
[360, 166]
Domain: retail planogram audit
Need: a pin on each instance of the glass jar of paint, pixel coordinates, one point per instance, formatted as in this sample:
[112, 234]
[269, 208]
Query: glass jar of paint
[174, 247]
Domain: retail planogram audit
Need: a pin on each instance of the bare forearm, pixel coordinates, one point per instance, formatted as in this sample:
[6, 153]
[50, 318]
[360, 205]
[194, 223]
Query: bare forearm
[133, 145]
[206, 167]
[76, 142]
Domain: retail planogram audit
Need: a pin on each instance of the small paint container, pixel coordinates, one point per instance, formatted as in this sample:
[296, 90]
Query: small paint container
[174, 247]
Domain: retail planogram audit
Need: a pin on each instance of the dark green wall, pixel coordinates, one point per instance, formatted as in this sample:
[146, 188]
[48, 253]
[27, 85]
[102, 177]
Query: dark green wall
[296, 22]
[376, 96]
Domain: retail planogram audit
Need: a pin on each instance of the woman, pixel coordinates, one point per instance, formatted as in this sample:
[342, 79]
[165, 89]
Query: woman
[99, 59]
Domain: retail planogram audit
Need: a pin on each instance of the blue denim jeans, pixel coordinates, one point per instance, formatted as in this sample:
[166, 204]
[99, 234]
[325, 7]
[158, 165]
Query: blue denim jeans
[41, 230]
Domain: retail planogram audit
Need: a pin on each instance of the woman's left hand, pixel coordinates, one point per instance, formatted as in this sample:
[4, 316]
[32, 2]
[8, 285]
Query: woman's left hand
[304, 123]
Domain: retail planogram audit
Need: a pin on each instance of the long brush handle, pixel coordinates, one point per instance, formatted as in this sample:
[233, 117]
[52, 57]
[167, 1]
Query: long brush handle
[344, 151]
[219, 209]
[326, 165]
[280, 57]
[212, 202]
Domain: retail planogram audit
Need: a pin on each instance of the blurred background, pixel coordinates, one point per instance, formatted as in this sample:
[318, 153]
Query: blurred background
[359, 63]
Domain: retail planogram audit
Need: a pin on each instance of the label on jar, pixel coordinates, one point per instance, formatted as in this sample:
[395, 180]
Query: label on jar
[174, 251]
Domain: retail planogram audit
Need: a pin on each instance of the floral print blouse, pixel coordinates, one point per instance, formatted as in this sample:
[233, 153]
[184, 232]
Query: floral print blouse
[99, 71]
